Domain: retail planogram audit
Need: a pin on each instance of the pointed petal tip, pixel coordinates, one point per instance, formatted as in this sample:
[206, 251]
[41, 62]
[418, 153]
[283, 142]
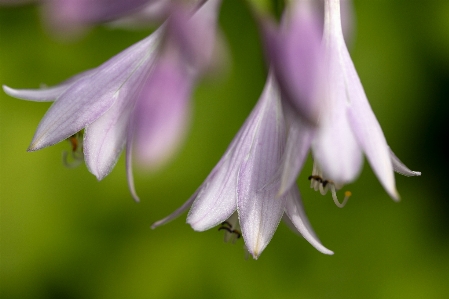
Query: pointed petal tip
[326, 251]
[254, 253]
[7, 90]
[135, 196]
[33, 147]
[155, 224]
[10, 91]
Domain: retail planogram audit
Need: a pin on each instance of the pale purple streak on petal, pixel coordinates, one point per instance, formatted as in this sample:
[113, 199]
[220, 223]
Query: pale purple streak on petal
[299, 140]
[90, 97]
[298, 57]
[259, 207]
[162, 112]
[45, 94]
[335, 147]
[400, 168]
[294, 209]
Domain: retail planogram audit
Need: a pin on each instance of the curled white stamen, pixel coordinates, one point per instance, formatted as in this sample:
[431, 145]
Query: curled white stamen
[335, 198]
[319, 183]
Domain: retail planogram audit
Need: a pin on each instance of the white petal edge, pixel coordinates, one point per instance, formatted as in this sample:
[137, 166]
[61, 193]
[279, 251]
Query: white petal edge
[400, 167]
[294, 209]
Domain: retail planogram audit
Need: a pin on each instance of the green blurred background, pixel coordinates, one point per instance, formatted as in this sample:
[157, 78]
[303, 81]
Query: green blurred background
[66, 235]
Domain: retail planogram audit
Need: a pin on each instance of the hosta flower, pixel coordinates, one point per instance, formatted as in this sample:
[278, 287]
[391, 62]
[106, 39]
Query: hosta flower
[139, 97]
[246, 181]
[347, 127]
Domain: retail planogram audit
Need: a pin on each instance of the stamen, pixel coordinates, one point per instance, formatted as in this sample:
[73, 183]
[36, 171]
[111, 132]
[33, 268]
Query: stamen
[77, 155]
[232, 229]
[335, 198]
[317, 182]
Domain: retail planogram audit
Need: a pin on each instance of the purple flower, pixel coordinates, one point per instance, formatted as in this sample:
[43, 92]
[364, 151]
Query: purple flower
[296, 54]
[246, 181]
[347, 127]
[139, 97]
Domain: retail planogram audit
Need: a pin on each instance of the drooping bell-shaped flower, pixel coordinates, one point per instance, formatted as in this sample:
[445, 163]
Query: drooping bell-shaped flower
[347, 126]
[140, 96]
[246, 180]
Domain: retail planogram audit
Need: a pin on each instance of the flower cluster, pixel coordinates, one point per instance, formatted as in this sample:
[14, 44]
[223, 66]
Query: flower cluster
[313, 101]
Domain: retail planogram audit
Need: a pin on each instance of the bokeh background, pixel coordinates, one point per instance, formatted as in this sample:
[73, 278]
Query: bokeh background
[66, 235]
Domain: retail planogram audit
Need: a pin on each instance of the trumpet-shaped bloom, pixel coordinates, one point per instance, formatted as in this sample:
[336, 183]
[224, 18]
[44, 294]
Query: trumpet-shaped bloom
[246, 180]
[347, 127]
[138, 97]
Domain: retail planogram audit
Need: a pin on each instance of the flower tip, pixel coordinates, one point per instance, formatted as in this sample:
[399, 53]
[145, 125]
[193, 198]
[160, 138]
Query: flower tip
[134, 195]
[136, 198]
[327, 251]
[8, 90]
[255, 254]
[33, 147]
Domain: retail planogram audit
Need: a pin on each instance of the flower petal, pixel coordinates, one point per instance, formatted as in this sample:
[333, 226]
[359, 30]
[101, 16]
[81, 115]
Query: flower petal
[259, 207]
[162, 112]
[90, 97]
[299, 140]
[335, 148]
[71, 15]
[294, 209]
[45, 94]
[297, 58]
[217, 198]
[345, 83]
[151, 14]
[195, 34]
[399, 167]
[129, 171]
